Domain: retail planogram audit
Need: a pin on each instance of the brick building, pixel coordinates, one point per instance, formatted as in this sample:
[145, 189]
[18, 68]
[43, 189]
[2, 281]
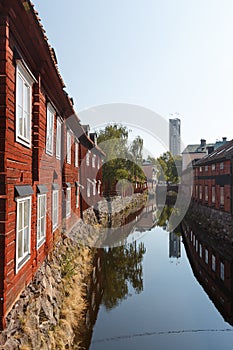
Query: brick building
[41, 150]
[213, 184]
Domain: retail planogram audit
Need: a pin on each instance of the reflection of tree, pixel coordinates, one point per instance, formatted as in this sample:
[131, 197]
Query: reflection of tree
[121, 266]
[164, 215]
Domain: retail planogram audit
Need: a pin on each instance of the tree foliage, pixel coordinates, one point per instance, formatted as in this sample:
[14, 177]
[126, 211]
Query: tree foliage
[121, 266]
[123, 161]
[170, 167]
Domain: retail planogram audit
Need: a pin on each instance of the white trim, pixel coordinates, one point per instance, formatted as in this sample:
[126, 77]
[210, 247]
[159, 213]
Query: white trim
[77, 196]
[68, 202]
[50, 112]
[68, 146]
[23, 74]
[58, 139]
[76, 151]
[41, 240]
[20, 262]
[55, 220]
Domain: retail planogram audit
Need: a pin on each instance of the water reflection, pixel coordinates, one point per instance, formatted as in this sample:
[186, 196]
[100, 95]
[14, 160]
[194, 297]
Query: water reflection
[211, 260]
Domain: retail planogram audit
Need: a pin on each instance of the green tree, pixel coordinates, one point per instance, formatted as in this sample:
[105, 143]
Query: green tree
[122, 161]
[170, 167]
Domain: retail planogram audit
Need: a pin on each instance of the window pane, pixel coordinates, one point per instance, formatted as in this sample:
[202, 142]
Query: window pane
[26, 239]
[20, 244]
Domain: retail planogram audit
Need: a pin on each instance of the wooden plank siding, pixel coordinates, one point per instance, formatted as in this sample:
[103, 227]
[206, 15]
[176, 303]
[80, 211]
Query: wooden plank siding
[29, 164]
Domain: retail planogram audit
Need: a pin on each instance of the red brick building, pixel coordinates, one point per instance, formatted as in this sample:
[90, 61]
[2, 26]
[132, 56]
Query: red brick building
[213, 183]
[41, 150]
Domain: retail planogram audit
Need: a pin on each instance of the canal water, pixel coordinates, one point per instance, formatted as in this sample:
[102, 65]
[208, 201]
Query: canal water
[147, 297]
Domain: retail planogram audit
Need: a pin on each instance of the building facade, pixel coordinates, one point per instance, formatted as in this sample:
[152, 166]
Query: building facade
[42, 142]
[174, 136]
[213, 184]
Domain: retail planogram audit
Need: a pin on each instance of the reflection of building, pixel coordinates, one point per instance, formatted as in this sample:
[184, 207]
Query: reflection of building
[174, 245]
[174, 136]
[211, 260]
[150, 171]
[148, 218]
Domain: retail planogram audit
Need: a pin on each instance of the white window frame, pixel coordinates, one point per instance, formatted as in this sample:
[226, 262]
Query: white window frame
[41, 219]
[222, 271]
[58, 139]
[213, 166]
[206, 256]
[88, 188]
[222, 195]
[200, 192]
[213, 262]
[93, 160]
[68, 147]
[206, 193]
[88, 154]
[27, 80]
[68, 201]
[99, 187]
[213, 194]
[206, 167]
[77, 196]
[221, 166]
[76, 150]
[98, 163]
[94, 187]
[55, 210]
[26, 236]
[200, 250]
[49, 129]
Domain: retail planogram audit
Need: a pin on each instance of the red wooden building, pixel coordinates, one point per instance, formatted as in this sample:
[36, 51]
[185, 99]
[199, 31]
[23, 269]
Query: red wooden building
[213, 181]
[41, 148]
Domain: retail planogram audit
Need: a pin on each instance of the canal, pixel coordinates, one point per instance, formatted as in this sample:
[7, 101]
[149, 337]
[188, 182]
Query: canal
[160, 292]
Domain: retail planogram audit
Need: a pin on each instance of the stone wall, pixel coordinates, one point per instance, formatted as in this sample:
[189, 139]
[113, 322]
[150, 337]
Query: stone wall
[218, 222]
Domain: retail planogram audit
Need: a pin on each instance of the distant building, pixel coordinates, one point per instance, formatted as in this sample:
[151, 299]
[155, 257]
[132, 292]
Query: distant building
[174, 245]
[174, 136]
[150, 171]
[197, 151]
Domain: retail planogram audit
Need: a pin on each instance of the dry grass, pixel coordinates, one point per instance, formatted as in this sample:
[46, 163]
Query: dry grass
[76, 267]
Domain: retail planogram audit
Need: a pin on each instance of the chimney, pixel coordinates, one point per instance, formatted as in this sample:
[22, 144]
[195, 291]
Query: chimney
[203, 143]
[224, 139]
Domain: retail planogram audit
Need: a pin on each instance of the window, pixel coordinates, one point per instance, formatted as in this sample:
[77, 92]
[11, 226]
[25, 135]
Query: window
[206, 193]
[99, 186]
[213, 194]
[213, 167]
[55, 208]
[77, 196]
[93, 160]
[196, 245]
[41, 219]
[200, 250]
[23, 97]
[222, 272]
[206, 256]
[68, 147]
[196, 191]
[23, 231]
[49, 130]
[88, 158]
[200, 192]
[68, 201]
[98, 163]
[222, 195]
[221, 166]
[194, 238]
[58, 140]
[76, 154]
[88, 188]
[213, 263]
[200, 169]
[206, 167]
[94, 187]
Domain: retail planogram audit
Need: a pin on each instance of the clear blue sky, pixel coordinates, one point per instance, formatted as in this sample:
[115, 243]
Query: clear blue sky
[166, 55]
